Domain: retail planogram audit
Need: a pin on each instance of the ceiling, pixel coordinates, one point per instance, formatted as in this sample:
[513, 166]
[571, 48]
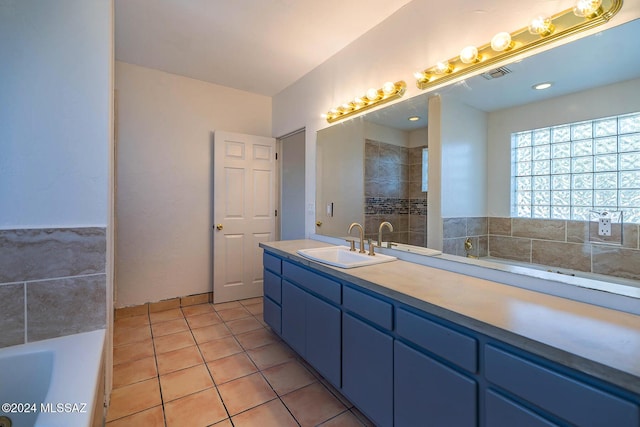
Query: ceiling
[259, 46]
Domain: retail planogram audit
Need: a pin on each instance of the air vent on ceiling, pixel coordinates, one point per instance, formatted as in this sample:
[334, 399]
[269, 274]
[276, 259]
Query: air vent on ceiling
[496, 73]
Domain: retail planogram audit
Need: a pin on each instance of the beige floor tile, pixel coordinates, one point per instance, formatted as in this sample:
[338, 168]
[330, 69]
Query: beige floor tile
[270, 414]
[196, 410]
[134, 371]
[224, 423]
[134, 398]
[153, 417]
[226, 305]
[255, 309]
[184, 382]
[246, 392]
[346, 419]
[163, 316]
[288, 377]
[231, 367]
[132, 321]
[271, 355]
[335, 392]
[251, 301]
[135, 310]
[178, 359]
[169, 327]
[133, 351]
[210, 333]
[205, 319]
[130, 335]
[244, 325]
[362, 418]
[234, 313]
[195, 310]
[219, 348]
[257, 338]
[313, 404]
[164, 305]
[194, 299]
[173, 342]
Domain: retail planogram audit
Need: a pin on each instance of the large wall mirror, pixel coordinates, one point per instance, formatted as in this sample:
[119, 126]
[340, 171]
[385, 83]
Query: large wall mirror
[374, 167]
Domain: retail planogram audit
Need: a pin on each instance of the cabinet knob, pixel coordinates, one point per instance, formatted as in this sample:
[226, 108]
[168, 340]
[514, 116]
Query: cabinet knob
[219, 227]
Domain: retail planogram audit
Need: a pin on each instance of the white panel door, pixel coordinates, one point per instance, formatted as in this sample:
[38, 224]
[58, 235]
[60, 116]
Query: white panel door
[244, 204]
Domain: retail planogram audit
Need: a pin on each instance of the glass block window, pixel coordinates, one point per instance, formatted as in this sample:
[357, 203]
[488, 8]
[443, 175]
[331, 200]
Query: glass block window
[564, 172]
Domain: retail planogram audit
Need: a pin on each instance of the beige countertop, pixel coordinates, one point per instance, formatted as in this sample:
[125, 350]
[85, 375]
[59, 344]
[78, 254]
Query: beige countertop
[602, 342]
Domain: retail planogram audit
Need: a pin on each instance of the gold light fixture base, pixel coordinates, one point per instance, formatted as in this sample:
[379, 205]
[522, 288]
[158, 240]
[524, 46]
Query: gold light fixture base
[564, 24]
[367, 101]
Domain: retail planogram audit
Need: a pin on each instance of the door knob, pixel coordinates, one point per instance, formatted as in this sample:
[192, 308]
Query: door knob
[319, 223]
[219, 227]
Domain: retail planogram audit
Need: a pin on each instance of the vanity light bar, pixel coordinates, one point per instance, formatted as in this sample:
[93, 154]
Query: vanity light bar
[372, 98]
[541, 31]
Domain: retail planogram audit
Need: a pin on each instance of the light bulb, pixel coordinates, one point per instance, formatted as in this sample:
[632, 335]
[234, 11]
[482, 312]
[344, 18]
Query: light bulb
[358, 101]
[372, 94]
[419, 75]
[587, 8]
[469, 55]
[501, 42]
[388, 88]
[442, 67]
[541, 25]
[334, 111]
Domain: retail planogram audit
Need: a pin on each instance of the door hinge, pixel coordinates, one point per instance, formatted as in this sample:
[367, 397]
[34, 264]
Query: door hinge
[276, 156]
[276, 212]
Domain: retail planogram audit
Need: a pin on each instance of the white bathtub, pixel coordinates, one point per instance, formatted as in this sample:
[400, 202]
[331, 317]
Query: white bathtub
[52, 383]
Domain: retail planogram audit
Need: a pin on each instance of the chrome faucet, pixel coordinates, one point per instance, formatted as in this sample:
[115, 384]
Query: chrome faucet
[355, 224]
[384, 224]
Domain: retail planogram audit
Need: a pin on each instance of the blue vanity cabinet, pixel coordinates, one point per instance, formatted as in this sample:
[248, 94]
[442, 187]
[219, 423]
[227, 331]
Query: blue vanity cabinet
[311, 324]
[272, 289]
[566, 397]
[434, 383]
[367, 355]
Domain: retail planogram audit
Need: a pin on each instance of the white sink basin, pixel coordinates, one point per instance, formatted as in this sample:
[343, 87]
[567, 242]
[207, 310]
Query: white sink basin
[341, 256]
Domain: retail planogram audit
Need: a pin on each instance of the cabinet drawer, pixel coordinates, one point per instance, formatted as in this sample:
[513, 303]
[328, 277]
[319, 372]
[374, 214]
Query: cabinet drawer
[369, 307]
[272, 315]
[565, 397]
[314, 282]
[440, 340]
[502, 412]
[273, 286]
[272, 263]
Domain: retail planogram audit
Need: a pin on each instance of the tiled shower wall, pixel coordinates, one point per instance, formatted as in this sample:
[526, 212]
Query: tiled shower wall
[52, 283]
[557, 243]
[393, 192]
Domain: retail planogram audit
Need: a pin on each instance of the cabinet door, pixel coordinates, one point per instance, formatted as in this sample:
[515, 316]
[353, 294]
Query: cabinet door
[427, 393]
[323, 338]
[367, 369]
[293, 316]
[272, 315]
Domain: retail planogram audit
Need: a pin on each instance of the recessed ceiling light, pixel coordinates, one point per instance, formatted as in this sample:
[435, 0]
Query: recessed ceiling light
[542, 86]
[414, 118]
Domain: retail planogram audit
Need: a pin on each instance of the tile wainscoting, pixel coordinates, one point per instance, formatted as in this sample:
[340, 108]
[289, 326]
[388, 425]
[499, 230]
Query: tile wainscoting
[557, 243]
[52, 283]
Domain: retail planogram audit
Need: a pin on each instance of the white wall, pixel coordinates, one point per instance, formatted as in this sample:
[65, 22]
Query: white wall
[463, 177]
[600, 102]
[414, 38]
[340, 170]
[379, 133]
[164, 178]
[55, 114]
